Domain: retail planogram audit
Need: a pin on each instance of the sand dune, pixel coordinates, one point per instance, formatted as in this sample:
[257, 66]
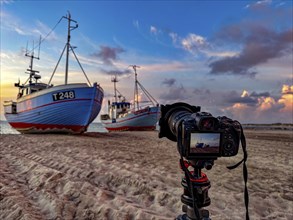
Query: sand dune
[135, 175]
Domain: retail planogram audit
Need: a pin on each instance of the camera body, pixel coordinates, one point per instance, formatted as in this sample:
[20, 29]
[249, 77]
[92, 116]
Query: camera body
[196, 140]
[199, 135]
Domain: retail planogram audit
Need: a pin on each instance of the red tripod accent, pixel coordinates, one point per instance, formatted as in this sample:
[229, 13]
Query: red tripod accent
[195, 191]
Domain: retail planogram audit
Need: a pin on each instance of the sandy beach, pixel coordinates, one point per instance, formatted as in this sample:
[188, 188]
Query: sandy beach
[136, 175]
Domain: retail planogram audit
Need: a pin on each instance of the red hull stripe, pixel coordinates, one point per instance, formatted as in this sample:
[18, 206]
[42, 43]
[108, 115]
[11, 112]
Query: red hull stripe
[132, 128]
[52, 103]
[28, 126]
[131, 118]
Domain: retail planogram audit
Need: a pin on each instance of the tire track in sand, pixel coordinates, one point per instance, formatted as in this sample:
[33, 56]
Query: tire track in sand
[15, 198]
[55, 166]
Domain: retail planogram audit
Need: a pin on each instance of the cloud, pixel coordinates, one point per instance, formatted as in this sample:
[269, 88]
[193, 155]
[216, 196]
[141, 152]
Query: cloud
[13, 63]
[262, 94]
[167, 66]
[199, 45]
[201, 91]
[244, 94]
[169, 82]
[174, 37]
[136, 24]
[43, 30]
[286, 89]
[261, 107]
[108, 54]
[234, 98]
[259, 4]
[267, 111]
[3, 2]
[175, 92]
[154, 30]
[287, 100]
[116, 72]
[260, 44]
[244, 100]
[12, 23]
[194, 43]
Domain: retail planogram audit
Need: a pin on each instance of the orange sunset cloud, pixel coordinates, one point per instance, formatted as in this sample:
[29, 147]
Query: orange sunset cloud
[264, 106]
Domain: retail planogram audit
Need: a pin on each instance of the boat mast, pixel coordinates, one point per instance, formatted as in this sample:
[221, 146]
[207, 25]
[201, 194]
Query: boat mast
[68, 17]
[114, 80]
[68, 47]
[135, 87]
[138, 84]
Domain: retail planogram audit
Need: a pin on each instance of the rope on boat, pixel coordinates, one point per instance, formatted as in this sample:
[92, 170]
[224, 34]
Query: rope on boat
[80, 65]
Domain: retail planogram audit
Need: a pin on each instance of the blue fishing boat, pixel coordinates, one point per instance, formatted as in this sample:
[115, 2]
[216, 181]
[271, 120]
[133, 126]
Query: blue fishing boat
[122, 116]
[45, 108]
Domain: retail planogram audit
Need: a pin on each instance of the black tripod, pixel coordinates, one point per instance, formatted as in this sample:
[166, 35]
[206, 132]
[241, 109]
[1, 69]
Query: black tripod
[195, 190]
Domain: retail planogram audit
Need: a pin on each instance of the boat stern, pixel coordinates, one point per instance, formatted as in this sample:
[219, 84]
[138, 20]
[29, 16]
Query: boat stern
[10, 107]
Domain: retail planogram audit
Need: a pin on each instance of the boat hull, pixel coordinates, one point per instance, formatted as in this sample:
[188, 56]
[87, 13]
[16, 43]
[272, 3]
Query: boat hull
[142, 120]
[42, 112]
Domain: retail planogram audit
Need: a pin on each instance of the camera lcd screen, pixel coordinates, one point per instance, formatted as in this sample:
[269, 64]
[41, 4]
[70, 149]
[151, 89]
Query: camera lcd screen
[205, 143]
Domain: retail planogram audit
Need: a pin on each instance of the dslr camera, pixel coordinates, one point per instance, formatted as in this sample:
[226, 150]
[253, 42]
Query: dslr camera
[199, 135]
[201, 139]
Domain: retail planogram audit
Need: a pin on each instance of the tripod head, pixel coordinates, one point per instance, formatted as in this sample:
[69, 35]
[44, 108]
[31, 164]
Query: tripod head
[201, 164]
[195, 190]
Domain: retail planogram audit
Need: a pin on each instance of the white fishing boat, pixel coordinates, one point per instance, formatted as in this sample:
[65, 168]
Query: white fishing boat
[44, 108]
[122, 116]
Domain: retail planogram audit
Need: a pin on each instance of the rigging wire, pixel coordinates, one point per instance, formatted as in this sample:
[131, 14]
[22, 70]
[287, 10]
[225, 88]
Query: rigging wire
[43, 39]
[138, 84]
[66, 46]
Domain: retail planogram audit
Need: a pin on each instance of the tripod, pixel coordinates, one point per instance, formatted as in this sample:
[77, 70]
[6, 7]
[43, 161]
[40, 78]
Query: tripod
[195, 190]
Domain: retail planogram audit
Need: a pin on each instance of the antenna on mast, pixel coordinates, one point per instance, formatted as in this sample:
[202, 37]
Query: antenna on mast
[30, 54]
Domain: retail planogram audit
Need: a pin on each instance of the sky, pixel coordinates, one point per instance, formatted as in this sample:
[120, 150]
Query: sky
[232, 58]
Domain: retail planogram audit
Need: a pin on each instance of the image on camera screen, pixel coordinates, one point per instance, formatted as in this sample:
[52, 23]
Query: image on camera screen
[205, 143]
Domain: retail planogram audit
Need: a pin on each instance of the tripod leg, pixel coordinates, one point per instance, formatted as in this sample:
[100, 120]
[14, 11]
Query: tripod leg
[204, 214]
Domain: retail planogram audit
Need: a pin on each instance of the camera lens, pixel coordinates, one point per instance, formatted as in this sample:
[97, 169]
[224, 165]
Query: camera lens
[176, 118]
[172, 117]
